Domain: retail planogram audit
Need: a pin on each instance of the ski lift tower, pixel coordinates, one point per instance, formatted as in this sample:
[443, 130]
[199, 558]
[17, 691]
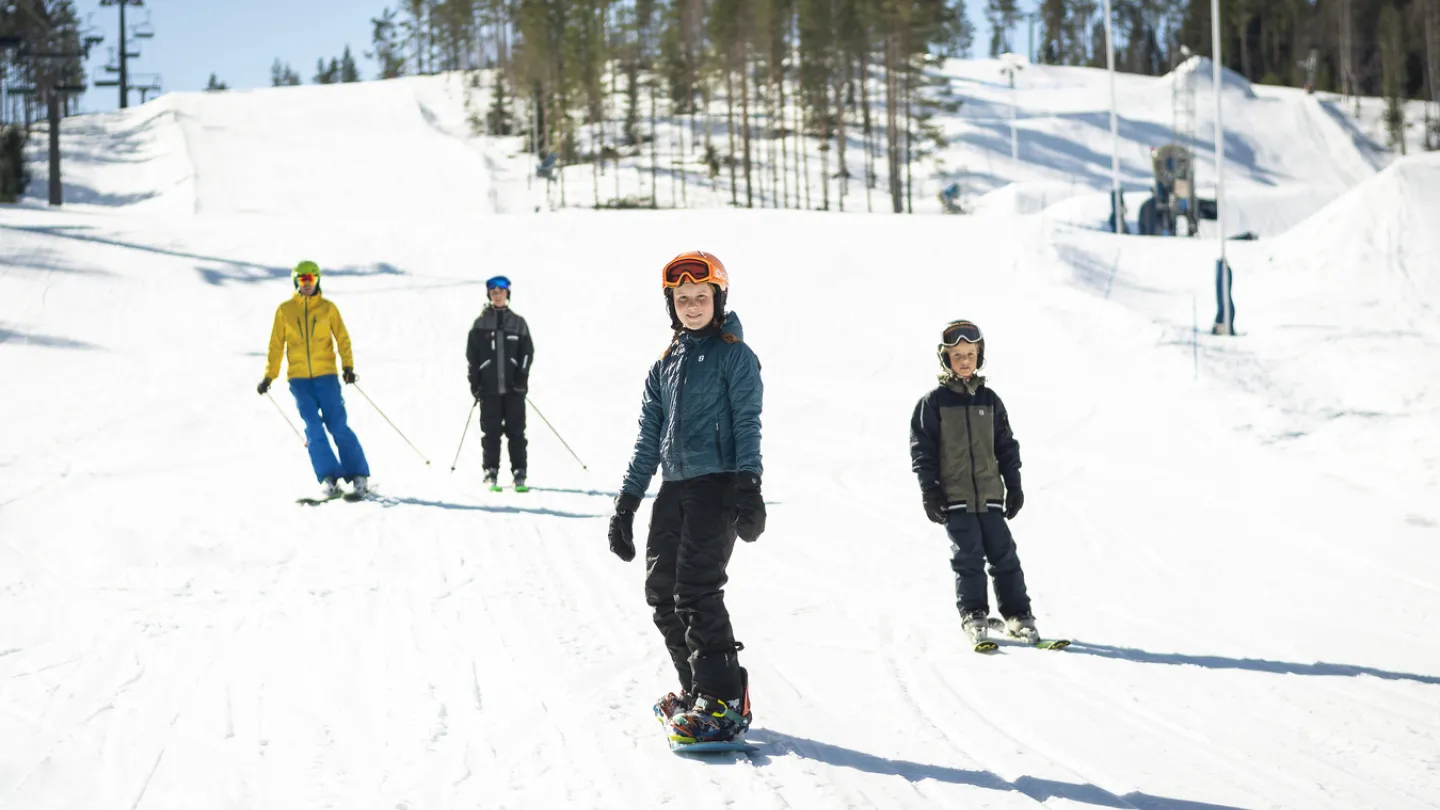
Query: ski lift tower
[141, 31]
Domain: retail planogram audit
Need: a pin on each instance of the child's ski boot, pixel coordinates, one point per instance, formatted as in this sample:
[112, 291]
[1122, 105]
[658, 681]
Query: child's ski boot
[710, 720]
[492, 478]
[976, 624]
[329, 488]
[520, 481]
[1022, 627]
[672, 704]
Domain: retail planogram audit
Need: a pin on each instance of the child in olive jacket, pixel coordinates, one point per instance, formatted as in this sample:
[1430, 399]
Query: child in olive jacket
[968, 463]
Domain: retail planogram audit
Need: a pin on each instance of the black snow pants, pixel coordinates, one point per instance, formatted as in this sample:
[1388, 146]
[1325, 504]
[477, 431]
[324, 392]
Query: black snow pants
[692, 532]
[503, 414]
[977, 537]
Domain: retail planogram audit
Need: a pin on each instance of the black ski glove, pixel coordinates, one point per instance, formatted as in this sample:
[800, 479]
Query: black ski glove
[935, 506]
[263, 386]
[349, 375]
[475, 390]
[1014, 499]
[749, 507]
[622, 526]
[522, 384]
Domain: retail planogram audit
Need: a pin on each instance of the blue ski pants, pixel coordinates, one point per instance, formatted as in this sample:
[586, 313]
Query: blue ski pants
[322, 408]
[978, 537]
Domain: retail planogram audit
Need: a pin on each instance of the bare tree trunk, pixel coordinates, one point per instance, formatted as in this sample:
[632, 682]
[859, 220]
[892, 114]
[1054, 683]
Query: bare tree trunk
[1347, 48]
[745, 114]
[909, 134]
[825, 148]
[654, 144]
[1432, 55]
[892, 134]
[730, 121]
[784, 143]
[842, 82]
[869, 129]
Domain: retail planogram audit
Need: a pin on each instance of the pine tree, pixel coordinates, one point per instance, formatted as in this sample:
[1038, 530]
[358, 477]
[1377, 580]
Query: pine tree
[348, 71]
[215, 85]
[1392, 67]
[385, 38]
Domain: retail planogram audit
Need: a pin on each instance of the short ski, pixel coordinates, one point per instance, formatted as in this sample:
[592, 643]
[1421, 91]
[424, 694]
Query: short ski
[354, 497]
[318, 501]
[1044, 644]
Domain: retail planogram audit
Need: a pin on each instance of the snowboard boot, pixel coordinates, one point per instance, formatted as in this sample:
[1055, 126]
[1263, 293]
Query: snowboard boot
[976, 624]
[710, 720]
[672, 704]
[361, 483]
[1022, 626]
[519, 476]
[492, 478]
[329, 488]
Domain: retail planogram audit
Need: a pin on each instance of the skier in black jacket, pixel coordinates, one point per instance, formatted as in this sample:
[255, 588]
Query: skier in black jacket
[968, 463]
[500, 353]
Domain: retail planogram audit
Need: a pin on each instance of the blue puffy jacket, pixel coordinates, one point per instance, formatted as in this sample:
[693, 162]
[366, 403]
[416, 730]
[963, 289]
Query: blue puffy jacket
[701, 410]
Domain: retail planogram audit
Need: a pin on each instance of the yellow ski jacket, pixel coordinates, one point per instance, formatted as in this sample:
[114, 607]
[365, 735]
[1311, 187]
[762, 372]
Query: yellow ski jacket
[308, 328]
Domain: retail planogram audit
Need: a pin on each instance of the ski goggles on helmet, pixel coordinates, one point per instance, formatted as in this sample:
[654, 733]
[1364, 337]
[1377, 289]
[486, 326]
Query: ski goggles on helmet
[497, 283]
[958, 331]
[695, 270]
[305, 270]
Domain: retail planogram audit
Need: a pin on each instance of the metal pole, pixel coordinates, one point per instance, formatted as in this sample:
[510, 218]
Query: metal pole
[1223, 269]
[124, 73]
[1118, 214]
[52, 100]
[557, 433]
[468, 419]
[281, 411]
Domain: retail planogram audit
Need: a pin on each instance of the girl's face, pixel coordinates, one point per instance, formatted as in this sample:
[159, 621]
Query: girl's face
[499, 296]
[963, 357]
[694, 305]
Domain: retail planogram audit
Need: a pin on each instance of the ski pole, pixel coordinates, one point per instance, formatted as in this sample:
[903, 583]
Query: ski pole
[556, 432]
[470, 417]
[392, 424]
[286, 418]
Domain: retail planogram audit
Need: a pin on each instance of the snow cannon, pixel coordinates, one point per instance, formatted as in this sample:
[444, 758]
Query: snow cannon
[1174, 209]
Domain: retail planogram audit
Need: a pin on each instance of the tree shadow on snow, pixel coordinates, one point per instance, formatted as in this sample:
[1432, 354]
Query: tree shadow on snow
[388, 501]
[774, 743]
[46, 341]
[1248, 664]
[229, 270]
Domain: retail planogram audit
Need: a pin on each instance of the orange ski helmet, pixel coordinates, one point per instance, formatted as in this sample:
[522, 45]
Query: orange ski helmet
[698, 267]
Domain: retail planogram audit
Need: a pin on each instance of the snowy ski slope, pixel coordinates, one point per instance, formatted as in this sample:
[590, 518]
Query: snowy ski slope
[1239, 534]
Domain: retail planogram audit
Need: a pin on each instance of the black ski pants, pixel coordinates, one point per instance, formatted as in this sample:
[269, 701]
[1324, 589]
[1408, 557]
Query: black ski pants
[976, 537]
[503, 414]
[692, 533]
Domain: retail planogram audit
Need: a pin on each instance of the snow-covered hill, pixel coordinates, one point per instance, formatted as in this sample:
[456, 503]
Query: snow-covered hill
[1240, 534]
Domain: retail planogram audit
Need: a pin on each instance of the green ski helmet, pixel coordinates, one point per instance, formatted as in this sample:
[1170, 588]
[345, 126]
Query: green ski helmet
[305, 268]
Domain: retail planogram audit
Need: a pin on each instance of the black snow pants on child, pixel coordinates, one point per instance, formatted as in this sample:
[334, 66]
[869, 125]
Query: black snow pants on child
[974, 538]
[692, 532]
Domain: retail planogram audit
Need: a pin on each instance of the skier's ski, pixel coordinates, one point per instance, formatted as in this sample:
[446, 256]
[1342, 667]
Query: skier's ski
[1039, 644]
[355, 497]
[317, 501]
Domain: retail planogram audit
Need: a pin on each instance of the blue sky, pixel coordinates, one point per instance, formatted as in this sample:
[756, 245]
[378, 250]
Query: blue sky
[238, 40]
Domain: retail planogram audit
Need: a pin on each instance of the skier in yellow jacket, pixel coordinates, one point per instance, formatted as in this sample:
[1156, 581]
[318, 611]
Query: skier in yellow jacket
[307, 329]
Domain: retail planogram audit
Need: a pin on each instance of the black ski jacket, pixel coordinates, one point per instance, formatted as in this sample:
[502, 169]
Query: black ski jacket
[500, 352]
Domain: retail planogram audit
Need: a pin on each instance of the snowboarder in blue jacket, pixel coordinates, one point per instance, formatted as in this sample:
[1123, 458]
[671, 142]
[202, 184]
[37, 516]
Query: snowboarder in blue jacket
[700, 424]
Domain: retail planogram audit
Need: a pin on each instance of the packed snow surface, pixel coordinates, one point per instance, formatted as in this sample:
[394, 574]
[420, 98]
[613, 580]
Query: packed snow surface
[1241, 535]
